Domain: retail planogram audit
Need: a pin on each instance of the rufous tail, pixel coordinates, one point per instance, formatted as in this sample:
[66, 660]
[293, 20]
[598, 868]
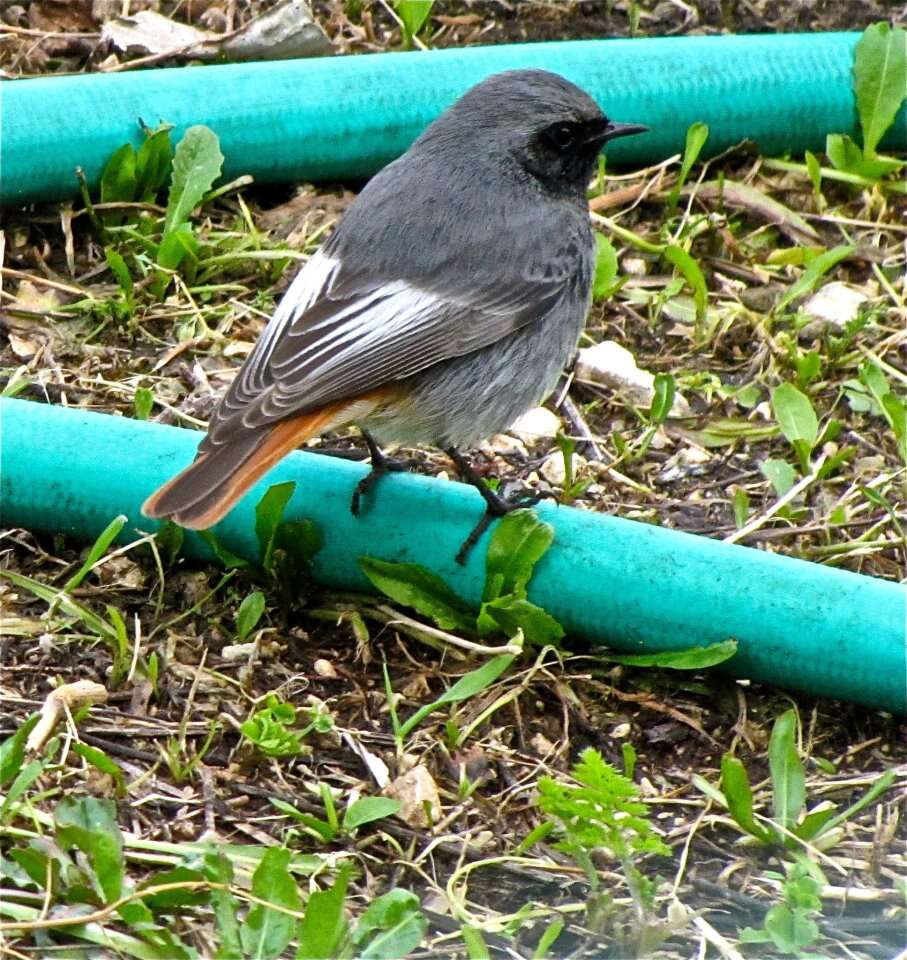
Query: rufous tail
[207, 489]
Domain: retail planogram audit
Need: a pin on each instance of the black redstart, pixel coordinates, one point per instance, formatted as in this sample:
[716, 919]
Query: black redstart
[444, 305]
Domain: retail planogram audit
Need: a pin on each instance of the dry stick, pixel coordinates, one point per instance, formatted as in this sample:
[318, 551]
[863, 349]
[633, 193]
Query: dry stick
[781, 502]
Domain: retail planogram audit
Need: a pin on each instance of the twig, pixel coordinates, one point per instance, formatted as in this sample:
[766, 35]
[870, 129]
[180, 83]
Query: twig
[780, 503]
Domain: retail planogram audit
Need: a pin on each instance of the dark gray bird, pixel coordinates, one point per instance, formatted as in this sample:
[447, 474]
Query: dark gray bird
[444, 305]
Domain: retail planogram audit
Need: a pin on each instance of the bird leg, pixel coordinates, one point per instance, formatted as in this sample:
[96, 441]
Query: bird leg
[495, 505]
[381, 465]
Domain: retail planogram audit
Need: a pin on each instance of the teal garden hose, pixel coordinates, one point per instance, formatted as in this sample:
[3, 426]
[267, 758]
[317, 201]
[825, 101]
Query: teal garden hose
[636, 587]
[633, 586]
[345, 117]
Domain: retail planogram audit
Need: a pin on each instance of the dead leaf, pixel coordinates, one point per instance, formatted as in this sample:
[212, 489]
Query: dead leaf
[287, 31]
[420, 803]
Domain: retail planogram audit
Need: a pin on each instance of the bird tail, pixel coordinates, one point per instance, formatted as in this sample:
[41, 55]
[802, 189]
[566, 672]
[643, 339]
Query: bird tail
[207, 489]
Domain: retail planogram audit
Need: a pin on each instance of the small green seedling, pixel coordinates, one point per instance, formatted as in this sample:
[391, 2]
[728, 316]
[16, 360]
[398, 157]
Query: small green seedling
[887, 403]
[605, 282]
[798, 422]
[600, 812]
[249, 613]
[143, 402]
[109, 628]
[271, 731]
[880, 86]
[697, 134]
[692, 273]
[790, 926]
[357, 814]
[413, 15]
[573, 486]
[286, 547]
[790, 824]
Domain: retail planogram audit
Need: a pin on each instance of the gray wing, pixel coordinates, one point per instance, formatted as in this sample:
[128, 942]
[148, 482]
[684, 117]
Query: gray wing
[338, 333]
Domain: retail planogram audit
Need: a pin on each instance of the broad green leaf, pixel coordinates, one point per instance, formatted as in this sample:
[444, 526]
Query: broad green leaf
[101, 762]
[795, 414]
[324, 927]
[12, 750]
[880, 80]
[412, 14]
[267, 932]
[663, 399]
[268, 515]
[813, 824]
[249, 613]
[790, 930]
[735, 785]
[697, 134]
[815, 270]
[366, 809]
[603, 283]
[124, 278]
[780, 474]
[391, 927]
[218, 868]
[197, 163]
[693, 658]
[142, 404]
[414, 586]
[90, 824]
[118, 176]
[514, 615]
[519, 541]
[152, 164]
[847, 157]
[175, 246]
[788, 776]
[692, 273]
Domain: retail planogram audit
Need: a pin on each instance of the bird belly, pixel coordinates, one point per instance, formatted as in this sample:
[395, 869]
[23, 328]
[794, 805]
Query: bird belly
[464, 400]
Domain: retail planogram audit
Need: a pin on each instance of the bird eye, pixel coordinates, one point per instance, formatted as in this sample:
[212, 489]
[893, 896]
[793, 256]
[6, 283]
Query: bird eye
[562, 135]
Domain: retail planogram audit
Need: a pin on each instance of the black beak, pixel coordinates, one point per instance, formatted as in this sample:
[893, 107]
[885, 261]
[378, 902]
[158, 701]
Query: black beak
[615, 130]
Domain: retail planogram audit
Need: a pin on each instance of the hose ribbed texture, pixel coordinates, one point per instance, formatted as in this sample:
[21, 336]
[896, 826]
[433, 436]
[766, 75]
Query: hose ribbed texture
[345, 117]
[633, 586]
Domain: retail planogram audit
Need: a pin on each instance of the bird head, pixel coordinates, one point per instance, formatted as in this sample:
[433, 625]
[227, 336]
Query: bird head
[550, 128]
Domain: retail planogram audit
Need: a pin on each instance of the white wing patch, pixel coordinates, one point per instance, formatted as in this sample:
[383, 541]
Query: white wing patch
[313, 281]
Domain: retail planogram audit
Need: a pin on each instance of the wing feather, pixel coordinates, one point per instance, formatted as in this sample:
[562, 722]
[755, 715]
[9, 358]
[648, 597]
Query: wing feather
[339, 332]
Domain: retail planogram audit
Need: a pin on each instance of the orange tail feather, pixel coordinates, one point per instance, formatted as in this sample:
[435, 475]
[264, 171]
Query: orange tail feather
[208, 488]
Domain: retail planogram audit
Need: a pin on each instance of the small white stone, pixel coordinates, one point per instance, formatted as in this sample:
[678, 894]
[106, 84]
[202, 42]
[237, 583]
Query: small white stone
[553, 469]
[324, 668]
[610, 364]
[832, 307]
[535, 424]
[636, 266]
[505, 446]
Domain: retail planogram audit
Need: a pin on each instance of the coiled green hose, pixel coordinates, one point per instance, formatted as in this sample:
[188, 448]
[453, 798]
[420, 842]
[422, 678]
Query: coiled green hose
[633, 586]
[345, 117]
